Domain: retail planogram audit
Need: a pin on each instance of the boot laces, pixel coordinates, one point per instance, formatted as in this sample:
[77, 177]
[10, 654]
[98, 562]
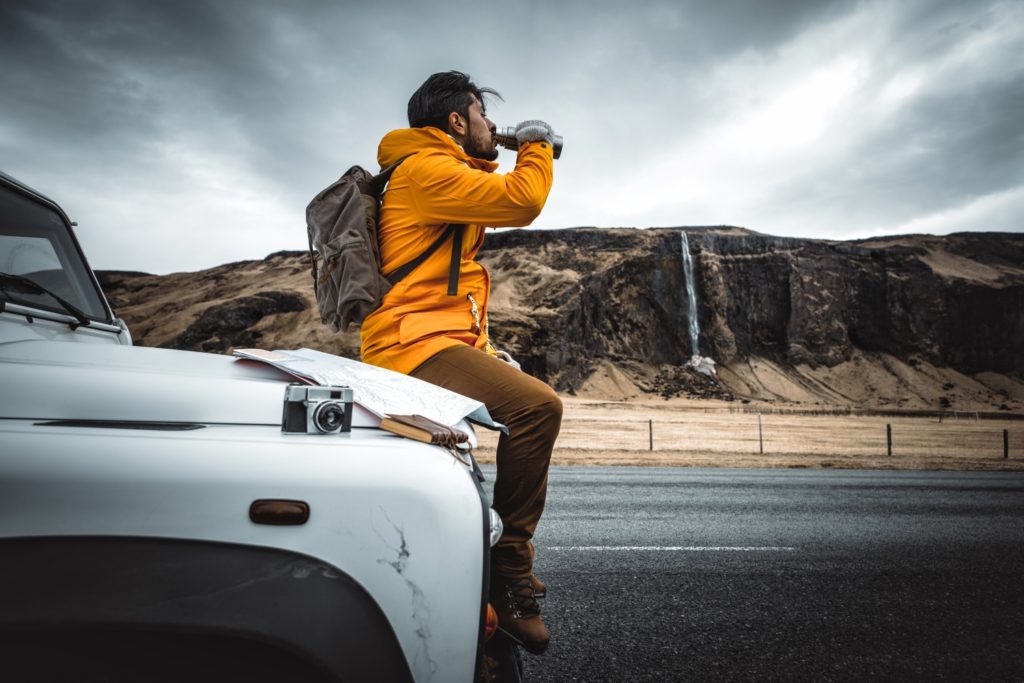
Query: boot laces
[520, 597]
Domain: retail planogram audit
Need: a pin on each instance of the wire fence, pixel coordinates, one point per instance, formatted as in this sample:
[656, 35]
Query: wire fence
[820, 433]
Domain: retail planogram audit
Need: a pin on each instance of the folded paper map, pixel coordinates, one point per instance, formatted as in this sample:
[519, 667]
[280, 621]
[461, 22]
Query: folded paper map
[380, 392]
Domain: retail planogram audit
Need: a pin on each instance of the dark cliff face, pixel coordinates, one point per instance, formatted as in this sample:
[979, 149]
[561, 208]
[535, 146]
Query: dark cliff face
[568, 302]
[598, 294]
[954, 301]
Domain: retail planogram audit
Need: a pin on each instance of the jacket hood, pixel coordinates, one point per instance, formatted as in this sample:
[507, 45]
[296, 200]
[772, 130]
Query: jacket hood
[402, 142]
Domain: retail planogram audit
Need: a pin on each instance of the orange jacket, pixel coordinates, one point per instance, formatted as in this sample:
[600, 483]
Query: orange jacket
[439, 184]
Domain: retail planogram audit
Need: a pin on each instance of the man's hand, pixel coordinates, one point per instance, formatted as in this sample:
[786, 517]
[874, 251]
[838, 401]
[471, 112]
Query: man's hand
[534, 131]
[502, 355]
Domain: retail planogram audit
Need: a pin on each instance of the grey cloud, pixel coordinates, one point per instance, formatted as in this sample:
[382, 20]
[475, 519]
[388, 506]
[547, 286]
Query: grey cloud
[294, 92]
[61, 100]
[949, 149]
[714, 30]
[955, 142]
[100, 83]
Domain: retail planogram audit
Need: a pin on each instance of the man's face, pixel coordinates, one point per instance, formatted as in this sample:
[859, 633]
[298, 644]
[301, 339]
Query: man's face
[478, 141]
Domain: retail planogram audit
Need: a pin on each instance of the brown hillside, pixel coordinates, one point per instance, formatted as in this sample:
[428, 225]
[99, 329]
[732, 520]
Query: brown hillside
[910, 322]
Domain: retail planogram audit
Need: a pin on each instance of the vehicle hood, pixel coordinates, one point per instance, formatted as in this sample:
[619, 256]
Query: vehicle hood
[56, 380]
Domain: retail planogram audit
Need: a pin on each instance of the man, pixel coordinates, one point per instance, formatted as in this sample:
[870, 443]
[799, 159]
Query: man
[433, 323]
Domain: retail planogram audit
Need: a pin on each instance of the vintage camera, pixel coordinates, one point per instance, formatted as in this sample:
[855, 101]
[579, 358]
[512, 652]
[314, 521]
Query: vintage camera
[316, 410]
[506, 137]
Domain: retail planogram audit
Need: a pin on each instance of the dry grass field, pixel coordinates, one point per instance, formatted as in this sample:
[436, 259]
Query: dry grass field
[720, 434]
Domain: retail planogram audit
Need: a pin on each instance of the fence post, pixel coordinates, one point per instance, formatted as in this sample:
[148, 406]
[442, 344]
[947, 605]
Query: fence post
[650, 432]
[888, 437]
[760, 433]
[1006, 444]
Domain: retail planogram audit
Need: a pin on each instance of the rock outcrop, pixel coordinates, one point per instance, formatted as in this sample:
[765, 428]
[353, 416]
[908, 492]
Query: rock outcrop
[230, 324]
[955, 301]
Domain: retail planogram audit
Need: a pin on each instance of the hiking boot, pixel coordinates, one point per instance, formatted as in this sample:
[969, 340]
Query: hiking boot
[540, 589]
[519, 613]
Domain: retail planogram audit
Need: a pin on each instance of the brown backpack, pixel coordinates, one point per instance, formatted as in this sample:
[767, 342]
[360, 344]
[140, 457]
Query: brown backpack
[341, 223]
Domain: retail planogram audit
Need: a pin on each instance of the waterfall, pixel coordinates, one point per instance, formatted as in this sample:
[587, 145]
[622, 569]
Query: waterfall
[697, 362]
[691, 296]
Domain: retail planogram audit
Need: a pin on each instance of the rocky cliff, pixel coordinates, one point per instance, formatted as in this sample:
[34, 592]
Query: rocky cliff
[910, 321]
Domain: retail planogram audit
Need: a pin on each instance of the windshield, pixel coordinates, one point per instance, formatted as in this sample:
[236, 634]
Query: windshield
[35, 243]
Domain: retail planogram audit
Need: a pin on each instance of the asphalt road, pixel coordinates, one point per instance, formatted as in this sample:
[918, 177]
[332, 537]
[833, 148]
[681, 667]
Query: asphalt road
[689, 574]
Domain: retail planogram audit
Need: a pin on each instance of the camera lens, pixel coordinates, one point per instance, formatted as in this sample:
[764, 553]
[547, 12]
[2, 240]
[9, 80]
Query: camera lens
[329, 416]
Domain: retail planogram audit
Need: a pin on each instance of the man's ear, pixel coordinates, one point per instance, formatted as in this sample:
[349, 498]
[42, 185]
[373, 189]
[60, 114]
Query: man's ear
[456, 124]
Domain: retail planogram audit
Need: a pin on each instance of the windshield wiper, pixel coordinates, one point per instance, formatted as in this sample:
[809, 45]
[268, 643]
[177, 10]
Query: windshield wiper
[29, 286]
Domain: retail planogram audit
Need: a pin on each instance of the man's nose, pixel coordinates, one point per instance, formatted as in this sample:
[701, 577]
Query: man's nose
[490, 125]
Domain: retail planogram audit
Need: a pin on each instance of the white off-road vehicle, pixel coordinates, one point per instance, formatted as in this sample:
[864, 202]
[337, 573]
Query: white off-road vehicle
[156, 523]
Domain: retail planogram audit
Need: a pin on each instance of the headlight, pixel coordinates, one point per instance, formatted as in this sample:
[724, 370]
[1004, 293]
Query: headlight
[496, 527]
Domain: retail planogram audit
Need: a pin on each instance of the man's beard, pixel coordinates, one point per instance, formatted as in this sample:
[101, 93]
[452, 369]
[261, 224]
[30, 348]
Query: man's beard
[470, 147]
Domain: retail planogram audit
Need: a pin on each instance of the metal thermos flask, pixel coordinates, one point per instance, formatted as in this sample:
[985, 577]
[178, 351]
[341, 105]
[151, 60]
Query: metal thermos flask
[506, 137]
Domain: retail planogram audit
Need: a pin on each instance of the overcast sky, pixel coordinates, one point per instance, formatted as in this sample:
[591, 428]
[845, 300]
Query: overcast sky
[182, 135]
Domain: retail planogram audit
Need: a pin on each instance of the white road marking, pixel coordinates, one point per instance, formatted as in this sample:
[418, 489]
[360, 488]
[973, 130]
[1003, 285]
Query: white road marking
[678, 548]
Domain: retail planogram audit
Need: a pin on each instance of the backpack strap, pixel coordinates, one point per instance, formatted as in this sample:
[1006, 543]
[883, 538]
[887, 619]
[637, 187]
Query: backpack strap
[313, 256]
[456, 262]
[377, 183]
[453, 269]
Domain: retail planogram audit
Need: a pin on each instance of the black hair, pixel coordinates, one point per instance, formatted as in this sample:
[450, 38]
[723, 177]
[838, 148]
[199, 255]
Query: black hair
[440, 95]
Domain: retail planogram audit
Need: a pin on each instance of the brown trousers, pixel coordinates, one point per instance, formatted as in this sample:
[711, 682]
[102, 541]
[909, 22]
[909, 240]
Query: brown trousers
[532, 412]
